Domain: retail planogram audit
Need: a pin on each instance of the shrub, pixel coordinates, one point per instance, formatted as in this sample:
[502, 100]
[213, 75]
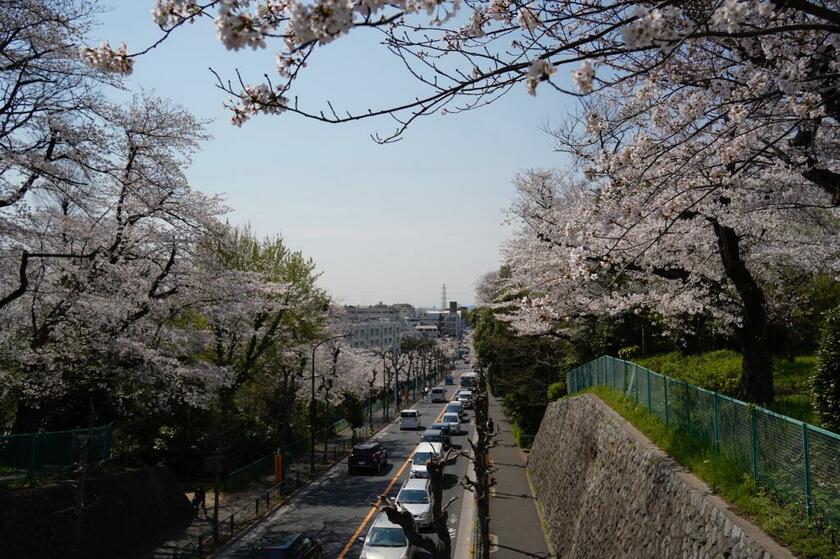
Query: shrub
[715, 370]
[556, 390]
[629, 352]
[826, 381]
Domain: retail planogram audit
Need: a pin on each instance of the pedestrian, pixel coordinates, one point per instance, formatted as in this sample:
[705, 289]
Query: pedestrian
[199, 501]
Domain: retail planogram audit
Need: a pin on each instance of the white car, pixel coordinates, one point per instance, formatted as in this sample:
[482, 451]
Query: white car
[422, 455]
[386, 540]
[466, 398]
[438, 394]
[454, 421]
[415, 498]
[410, 419]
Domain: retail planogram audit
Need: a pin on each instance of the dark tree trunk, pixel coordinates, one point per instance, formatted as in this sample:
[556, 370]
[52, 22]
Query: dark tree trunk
[481, 464]
[757, 376]
[27, 419]
[440, 548]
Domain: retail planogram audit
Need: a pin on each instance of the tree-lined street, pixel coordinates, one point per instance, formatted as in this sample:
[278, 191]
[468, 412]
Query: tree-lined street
[338, 506]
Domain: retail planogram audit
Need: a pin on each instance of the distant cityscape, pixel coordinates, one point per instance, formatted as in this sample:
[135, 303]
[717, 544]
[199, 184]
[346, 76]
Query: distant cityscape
[385, 326]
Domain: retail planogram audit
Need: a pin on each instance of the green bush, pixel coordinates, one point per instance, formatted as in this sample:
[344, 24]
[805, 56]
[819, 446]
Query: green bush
[826, 380]
[556, 390]
[714, 370]
[629, 352]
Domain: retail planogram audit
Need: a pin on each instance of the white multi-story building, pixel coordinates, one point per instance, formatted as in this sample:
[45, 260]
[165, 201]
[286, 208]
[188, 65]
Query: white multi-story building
[379, 325]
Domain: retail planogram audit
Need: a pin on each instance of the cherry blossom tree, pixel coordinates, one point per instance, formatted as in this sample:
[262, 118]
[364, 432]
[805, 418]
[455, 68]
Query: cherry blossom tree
[464, 55]
[95, 273]
[588, 249]
[48, 93]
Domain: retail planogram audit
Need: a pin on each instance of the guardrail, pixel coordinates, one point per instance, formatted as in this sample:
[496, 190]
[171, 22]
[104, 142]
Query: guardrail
[797, 462]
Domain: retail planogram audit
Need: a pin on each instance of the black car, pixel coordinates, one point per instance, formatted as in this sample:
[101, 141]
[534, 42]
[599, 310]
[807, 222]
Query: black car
[287, 546]
[367, 455]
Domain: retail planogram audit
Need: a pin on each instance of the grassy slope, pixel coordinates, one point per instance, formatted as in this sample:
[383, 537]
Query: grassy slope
[720, 370]
[785, 523]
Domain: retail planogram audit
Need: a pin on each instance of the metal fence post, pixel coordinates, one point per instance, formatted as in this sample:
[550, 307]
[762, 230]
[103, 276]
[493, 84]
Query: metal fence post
[754, 431]
[715, 422]
[806, 459]
[231, 524]
[647, 373]
[665, 384]
[687, 411]
[31, 474]
[636, 381]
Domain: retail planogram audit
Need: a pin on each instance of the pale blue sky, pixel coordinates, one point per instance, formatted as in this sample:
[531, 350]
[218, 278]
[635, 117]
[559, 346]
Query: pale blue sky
[389, 223]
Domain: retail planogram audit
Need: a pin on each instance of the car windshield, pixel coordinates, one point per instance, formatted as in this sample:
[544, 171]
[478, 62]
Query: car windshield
[451, 417]
[439, 426]
[431, 437]
[413, 497]
[453, 409]
[363, 451]
[386, 537]
[422, 458]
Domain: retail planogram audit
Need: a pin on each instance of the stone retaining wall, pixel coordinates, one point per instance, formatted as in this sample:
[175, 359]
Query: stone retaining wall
[122, 510]
[607, 492]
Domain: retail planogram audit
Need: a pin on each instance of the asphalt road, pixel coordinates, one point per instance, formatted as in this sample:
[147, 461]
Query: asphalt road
[337, 505]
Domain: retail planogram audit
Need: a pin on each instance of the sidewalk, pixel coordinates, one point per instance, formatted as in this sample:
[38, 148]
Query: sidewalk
[515, 523]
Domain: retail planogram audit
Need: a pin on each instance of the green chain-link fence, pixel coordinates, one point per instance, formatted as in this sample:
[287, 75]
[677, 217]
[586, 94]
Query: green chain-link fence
[797, 462]
[42, 453]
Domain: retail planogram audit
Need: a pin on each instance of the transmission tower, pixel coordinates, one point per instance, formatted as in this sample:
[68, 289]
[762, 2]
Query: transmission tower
[443, 297]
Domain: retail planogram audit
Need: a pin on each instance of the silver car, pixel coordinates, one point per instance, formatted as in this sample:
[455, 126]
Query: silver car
[415, 498]
[454, 421]
[386, 541]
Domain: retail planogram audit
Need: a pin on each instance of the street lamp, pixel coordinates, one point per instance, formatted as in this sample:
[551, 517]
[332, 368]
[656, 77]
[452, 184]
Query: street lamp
[312, 404]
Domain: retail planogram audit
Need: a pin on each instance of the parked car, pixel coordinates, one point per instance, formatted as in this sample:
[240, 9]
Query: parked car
[446, 432]
[415, 497]
[466, 398]
[422, 455]
[410, 419]
[370, 455]
[456, 407]
[449, 380]
[287, 546]
[438, 394]
[454, 421]
[435, 436]
[385, 540]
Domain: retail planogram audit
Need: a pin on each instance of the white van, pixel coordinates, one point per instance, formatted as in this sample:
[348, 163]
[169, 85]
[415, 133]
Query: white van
[410, 419]
[438, 394]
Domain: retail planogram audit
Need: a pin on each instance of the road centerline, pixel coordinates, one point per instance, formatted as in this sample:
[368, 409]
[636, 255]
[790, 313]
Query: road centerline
[375, 507]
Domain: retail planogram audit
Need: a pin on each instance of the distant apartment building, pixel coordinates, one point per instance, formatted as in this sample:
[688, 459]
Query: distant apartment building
[379, 326]
[449, 322]
[385, 326]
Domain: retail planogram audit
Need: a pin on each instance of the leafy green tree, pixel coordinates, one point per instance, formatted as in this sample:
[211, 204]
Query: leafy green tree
[353, 410]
